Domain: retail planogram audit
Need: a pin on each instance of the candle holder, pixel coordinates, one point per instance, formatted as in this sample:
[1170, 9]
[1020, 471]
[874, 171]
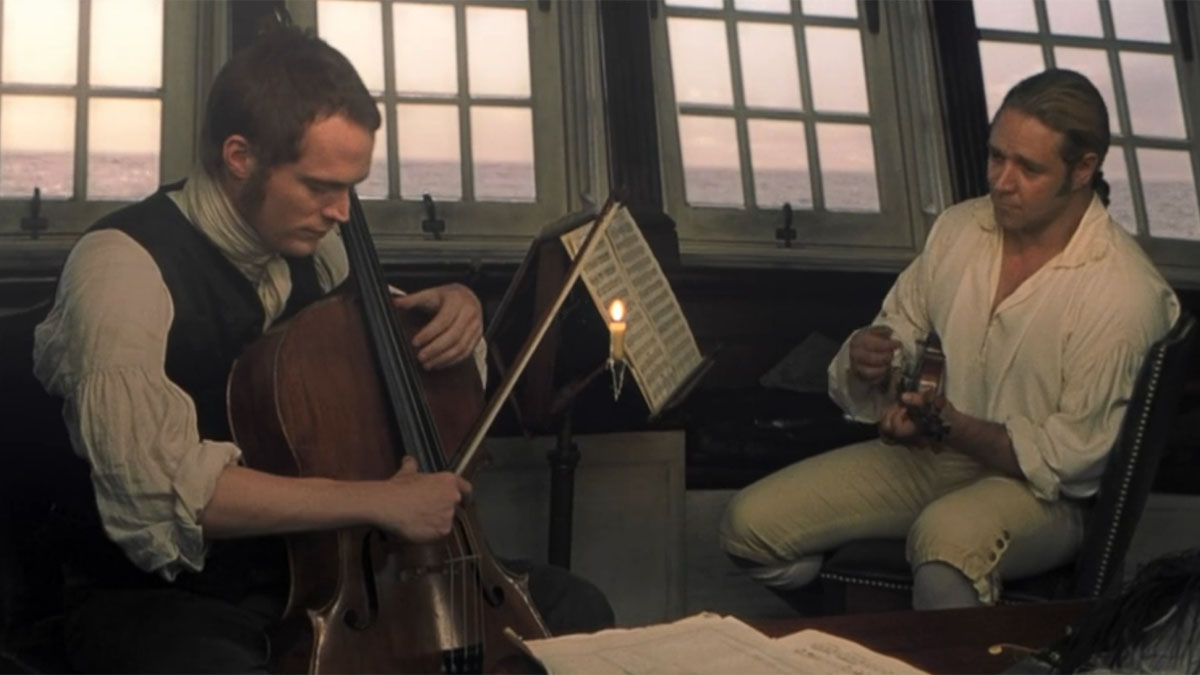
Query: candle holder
[616, 345]
[617, 368]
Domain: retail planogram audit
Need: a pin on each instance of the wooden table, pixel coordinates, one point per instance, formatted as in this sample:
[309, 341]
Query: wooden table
[949, 640]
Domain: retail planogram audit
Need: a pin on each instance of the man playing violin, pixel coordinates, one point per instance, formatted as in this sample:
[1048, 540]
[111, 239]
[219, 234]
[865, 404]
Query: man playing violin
[989, 480]
[154, 303]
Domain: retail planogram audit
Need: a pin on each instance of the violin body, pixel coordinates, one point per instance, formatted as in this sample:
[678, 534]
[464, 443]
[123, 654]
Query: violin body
[927, 372]
[305, 400]
[928, 377]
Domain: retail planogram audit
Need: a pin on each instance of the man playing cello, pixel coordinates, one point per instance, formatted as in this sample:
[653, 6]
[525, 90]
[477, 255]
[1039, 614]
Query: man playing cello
[153, 305]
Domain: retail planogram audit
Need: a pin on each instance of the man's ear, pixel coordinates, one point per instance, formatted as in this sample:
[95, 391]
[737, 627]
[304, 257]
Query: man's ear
[237, 157]
[1085, 168]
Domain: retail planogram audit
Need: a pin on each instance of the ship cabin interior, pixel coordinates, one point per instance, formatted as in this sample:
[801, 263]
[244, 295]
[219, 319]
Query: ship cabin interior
[783, 161]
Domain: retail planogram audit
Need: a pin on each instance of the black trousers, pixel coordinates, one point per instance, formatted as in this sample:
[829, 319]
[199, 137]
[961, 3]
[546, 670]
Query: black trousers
[174, 631]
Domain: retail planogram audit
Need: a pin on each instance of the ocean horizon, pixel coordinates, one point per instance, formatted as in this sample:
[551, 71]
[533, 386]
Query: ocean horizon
[1172, 208]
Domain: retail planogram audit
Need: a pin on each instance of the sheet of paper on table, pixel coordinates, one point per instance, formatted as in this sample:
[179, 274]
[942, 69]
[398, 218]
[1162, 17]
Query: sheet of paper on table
[708, 643]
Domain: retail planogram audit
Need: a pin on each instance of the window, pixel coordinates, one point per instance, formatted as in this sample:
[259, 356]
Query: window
[1127, 49]
[471, 97]
[767, 102]
[84, 89]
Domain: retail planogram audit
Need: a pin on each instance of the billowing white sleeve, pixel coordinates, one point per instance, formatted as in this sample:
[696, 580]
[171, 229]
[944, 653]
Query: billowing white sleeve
[1067, 451]
[103, 348]
[904, 311]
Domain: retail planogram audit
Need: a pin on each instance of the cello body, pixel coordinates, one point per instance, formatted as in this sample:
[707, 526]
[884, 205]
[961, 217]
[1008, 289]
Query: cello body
[306, 400]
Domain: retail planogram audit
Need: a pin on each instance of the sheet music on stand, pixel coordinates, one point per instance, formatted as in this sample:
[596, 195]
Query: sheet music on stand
[659, 346]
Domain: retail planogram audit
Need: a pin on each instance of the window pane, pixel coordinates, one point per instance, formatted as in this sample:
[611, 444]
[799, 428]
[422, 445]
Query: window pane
[37, 144]
[705, 4]
[1170, 191]
[838, 84]
[425, 47]
[848, 167]
[712, 173]
[1094, 64]
[1140, 20]
[353, 28]
[40, 37]
[770, 76]
[502, 148]
[779, 155]
[126, 44]
[430, 159]
[498, 52]
[830, 7]
[1075, 17]
[777, 6]
[1005, 64]
[1120, 204]
[123, 147]
[700, 61]
[1006, 15]
[1153, 92]
[376, 184]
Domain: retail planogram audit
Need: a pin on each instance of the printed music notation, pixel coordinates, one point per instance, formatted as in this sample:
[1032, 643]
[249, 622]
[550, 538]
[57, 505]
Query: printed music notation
[659, 346]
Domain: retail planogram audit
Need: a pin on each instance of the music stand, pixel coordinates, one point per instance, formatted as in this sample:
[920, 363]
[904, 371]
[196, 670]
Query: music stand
[542, 404]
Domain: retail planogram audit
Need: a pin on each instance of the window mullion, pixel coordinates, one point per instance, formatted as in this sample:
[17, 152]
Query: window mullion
[1043, 28]
[816, 182]
[82, 80]
[740, 113]
[390, 101]
[466, 154]
[1125, 123]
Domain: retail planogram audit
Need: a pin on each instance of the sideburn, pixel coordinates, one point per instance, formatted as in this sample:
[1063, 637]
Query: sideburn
[252, 194]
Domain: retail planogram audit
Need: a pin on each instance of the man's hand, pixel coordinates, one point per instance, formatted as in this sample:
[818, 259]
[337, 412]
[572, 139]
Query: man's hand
[456, 326]
[419, 507]
[871, 351]
[899, 423]
[895, 426]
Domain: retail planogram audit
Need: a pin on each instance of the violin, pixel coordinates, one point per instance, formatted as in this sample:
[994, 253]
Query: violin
[927, 375]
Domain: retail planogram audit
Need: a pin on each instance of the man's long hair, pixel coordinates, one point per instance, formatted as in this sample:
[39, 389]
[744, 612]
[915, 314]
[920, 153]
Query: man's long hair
[273, 89]
[1070, 104]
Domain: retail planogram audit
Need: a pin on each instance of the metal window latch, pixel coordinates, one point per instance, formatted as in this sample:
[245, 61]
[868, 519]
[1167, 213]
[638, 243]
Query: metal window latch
[35, 223]
[786, 233]
[431, 224]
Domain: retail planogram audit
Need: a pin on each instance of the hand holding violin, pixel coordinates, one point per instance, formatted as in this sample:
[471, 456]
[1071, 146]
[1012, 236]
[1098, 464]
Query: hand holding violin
[871, 351]
[918, 419]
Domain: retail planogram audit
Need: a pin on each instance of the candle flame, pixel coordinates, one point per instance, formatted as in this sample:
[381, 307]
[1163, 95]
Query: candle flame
[617, 310]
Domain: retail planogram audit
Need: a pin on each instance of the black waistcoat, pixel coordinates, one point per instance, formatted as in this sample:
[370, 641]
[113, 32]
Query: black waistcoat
[217, 313]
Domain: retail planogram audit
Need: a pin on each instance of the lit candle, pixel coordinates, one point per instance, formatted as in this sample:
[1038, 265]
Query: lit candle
[616, 330]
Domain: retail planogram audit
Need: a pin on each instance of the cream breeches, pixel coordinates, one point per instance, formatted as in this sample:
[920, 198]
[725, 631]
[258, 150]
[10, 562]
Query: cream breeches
[946, 505]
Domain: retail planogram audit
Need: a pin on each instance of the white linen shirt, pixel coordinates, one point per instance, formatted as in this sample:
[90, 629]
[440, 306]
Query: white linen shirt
[102, 348]
[1056, 361]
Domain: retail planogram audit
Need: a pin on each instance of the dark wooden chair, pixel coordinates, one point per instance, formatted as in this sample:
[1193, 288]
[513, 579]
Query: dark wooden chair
[873, 575]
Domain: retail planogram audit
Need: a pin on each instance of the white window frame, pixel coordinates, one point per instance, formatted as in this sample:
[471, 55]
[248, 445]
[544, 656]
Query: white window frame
[1178, 259]
[910, 162]
[68, 218]
[560, 53]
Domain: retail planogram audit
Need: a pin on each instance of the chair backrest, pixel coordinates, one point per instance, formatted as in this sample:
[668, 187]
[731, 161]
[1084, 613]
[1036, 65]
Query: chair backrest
[1129, 476]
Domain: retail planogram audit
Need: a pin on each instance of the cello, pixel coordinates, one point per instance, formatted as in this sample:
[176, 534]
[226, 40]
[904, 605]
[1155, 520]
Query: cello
[337, 392]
